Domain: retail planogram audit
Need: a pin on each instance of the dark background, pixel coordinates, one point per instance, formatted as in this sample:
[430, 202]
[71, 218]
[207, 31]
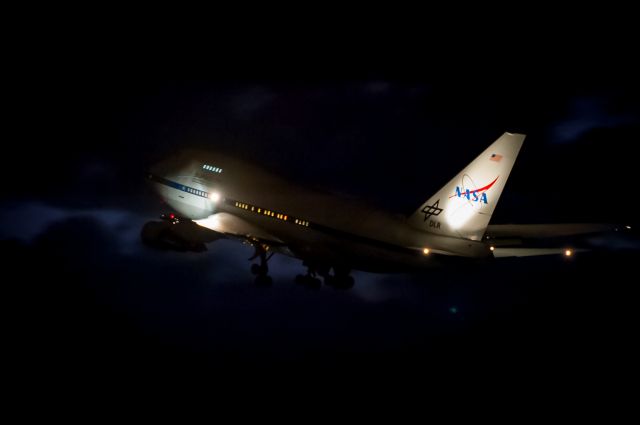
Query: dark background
[87, 304]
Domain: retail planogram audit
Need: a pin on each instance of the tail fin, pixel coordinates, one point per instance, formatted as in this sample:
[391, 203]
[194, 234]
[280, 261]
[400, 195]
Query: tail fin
[463, 207]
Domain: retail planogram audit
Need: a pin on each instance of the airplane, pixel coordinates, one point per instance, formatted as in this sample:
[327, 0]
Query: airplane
[214, 196]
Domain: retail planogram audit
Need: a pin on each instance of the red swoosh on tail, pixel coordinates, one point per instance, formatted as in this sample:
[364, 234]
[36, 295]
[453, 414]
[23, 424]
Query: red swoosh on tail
[482, 189]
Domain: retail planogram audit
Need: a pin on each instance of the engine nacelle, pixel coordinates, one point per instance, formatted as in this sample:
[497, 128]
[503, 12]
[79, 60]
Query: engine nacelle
[166, 235]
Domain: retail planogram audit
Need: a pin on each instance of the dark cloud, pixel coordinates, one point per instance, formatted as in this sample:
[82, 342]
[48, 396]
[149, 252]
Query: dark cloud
[30, 220]
[141, 309]
[376, 88]
[250, 101]
[588, 113]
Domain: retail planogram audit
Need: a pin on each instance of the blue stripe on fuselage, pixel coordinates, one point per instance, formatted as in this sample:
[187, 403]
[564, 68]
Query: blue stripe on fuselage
[178, 186]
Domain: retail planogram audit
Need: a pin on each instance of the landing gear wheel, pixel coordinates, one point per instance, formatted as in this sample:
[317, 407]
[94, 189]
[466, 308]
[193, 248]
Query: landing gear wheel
[259, 269]
[329, 280]
[344, 282]
[314, 283]
[263, 280]
[309, 281]
[341, 278]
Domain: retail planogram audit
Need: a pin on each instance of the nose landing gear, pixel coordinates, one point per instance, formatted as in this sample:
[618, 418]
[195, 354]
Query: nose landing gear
[261, 270]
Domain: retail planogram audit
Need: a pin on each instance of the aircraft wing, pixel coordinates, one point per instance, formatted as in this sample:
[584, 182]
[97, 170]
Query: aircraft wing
[187, 235]
[233, 226]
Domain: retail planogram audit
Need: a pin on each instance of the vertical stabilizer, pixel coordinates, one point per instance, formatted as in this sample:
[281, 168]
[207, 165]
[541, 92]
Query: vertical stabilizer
[463, 207]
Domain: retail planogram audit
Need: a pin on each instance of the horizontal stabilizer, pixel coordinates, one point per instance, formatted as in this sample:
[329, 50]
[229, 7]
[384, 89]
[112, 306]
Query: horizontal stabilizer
[532, 252]
[534, 231]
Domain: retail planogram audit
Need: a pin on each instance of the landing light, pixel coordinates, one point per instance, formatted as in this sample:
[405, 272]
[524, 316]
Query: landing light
[426, 251]
[492, 248]
[214, 196]
[568, 253]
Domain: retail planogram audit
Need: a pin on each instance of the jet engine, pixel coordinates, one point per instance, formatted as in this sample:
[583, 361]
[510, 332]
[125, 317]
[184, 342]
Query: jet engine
[183, 236]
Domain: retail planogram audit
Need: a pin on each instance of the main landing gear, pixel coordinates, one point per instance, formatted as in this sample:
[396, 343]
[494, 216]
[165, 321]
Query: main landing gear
[339, 280]
[260, 270]
[310, 280]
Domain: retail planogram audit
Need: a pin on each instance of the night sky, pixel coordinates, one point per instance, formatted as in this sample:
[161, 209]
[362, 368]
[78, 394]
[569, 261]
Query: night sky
[89, 304]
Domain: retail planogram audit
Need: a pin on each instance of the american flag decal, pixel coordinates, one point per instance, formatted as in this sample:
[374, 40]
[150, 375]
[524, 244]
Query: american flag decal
[496, 157]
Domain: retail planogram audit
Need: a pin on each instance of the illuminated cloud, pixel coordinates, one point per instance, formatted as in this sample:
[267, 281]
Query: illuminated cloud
[585, 114]
[29, 220]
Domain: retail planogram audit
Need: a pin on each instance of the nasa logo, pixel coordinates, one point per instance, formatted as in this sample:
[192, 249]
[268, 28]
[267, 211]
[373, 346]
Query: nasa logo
[477, 195]
[471, 195]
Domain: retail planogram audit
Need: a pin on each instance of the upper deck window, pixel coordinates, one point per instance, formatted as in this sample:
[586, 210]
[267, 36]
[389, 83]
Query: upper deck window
[212, 168]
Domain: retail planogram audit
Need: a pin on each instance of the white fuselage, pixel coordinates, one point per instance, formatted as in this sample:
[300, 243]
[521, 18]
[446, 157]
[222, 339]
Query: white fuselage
[307, 224]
